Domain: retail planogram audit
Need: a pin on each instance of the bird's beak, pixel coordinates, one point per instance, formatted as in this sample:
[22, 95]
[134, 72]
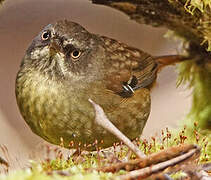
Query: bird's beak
[55, 46]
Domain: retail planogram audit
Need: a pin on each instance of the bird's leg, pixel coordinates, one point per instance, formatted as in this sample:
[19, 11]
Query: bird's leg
[102, 120]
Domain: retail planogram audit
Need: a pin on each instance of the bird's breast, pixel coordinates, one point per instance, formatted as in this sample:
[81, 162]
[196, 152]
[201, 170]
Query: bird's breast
[54, 109]
[48, 105]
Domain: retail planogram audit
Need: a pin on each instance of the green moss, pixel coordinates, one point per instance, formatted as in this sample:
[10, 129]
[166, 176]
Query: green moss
[199, 79]
[57, 164]
[178, 175]
[61, 168]
[76, 172]
[32, 175]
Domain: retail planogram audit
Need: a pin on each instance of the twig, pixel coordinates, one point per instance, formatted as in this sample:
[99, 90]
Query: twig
[4, 162]
[206, 167]
[202, 175]
[197, 171]
[154, 158]
[141, 173]
[102, 120]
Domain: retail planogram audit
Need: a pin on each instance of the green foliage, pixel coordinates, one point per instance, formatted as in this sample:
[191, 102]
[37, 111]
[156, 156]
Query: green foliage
[199, 78]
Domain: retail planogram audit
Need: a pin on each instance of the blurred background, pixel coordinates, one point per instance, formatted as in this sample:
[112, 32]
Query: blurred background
[20, 21]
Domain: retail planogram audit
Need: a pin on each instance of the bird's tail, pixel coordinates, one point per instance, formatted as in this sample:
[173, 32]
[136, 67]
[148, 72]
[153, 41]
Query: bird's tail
[163, 61]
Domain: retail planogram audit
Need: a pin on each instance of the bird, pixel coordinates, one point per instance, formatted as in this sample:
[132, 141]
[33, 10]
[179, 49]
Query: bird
[65, 66]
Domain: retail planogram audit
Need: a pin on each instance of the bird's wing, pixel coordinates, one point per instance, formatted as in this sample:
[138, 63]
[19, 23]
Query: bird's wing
[128, 68]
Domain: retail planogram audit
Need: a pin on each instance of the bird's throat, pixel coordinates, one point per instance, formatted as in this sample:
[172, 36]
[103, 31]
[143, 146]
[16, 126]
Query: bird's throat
[37, 98]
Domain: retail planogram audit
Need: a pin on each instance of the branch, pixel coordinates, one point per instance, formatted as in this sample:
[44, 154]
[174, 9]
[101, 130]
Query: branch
[159, 167]
[4, 162]
[173, 15]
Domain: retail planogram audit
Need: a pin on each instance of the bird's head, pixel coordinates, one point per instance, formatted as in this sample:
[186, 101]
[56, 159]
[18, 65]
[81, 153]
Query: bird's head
[63, 49]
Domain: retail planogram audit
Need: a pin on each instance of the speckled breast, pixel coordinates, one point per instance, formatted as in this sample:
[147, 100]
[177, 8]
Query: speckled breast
[61, 115]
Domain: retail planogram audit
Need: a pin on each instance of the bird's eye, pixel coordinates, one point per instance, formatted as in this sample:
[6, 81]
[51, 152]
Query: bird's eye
[45, 35]
[75, 54]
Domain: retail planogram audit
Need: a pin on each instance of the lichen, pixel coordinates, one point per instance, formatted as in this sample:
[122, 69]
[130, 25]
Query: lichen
[192, 5]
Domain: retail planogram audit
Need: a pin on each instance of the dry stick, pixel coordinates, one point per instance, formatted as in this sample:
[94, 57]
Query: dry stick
[150, 160]
[158, 167]
[4, 162]
[202, 175]
[102, 120]
[199, 171]
[195, 174]
[206, 167]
